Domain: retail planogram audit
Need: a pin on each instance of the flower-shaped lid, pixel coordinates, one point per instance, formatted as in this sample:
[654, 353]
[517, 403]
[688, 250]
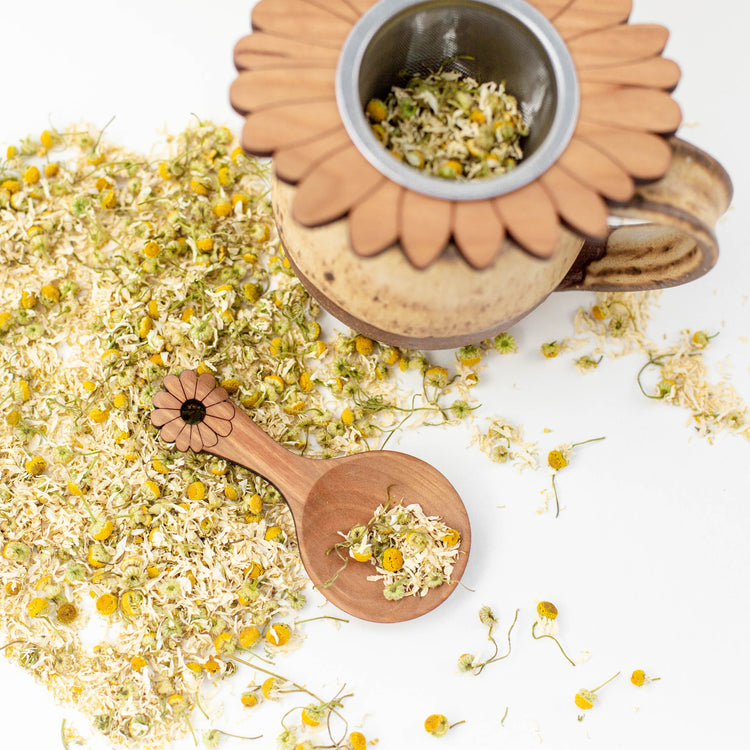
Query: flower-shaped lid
[287, 87]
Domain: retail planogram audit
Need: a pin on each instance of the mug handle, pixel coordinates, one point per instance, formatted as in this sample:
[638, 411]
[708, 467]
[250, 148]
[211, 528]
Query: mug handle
[667, 236]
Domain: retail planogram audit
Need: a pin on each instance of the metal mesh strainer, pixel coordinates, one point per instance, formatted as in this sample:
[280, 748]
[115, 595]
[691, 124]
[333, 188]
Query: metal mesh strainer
[490, 40]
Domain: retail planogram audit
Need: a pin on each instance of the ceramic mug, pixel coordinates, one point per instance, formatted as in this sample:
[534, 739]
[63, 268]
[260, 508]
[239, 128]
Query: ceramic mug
[582, 76]
[666, 238]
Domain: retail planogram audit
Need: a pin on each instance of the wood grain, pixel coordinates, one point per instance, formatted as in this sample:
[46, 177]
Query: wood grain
[373, 222]
[339, 8]
[578, 205]
[645, 156]
[530, 217]
[618, 45]
[651, 110]
[288, 125]
[294, 162]
[263, 43]
[327, 496]
[253, 90]
[333, 186]
[583, 16]
[425, 227]
[300, 20]
[260, 61]
[478, 232]
[656, 72]
[361, 6]
[596, 170]
[550, 8]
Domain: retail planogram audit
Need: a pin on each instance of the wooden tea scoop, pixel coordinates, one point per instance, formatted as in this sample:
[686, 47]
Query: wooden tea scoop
[324, 496]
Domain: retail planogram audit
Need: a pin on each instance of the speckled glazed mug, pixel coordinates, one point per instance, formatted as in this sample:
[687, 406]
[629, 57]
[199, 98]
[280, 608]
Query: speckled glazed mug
[664, 236]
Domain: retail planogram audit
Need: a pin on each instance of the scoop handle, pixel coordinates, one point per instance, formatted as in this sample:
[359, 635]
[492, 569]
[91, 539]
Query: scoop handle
[195, 413]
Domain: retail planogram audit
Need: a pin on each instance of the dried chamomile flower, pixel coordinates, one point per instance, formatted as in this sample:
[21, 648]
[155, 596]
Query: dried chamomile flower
[551, 349]
[438, 725]
[505, 343]
[470, 355]
[487, 617]
[585, 699]
[639, 678]
[67, 612]
[449, 125]
[587, 363]
[701, 339]
[470, 663]
[558, 459]
[357, 741]
[546, 622]
[411, 552]
[547, 610]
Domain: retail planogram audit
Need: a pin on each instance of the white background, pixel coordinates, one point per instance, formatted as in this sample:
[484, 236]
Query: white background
[648, 562]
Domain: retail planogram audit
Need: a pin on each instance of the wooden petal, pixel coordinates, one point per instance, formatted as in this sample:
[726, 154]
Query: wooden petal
[214, 399]
[253, 90]
[645, 156]
[478, 232]
[637, 108]
[288, 125]
[581, 207]
[373, 222]
[262, 43]
[160, 417]
[338, 8]
[220, 410]
[206, 383]
[333, 186]
[182, 441]
[596, 170]
[172, 430]
[258, 61]
[618, 45]
[530, 217]
[196, 440]
[594, 88]
[582, 16]
[172, 384]
[424, 227]
[292, 163]
[656, 72]
[221, 427]
[550, 8]
[207, 436]
[165, 400]
[189, 381]
[300, 20]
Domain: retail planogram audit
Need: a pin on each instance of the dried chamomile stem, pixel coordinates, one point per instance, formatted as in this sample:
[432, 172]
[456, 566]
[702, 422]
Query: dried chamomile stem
[438, 725]
[448, 125]
[311, 715]
[585, 699]
[558, 458]
[639, 678]
[683, 381]
[471, 663]
[212, 737]
[546, 621]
